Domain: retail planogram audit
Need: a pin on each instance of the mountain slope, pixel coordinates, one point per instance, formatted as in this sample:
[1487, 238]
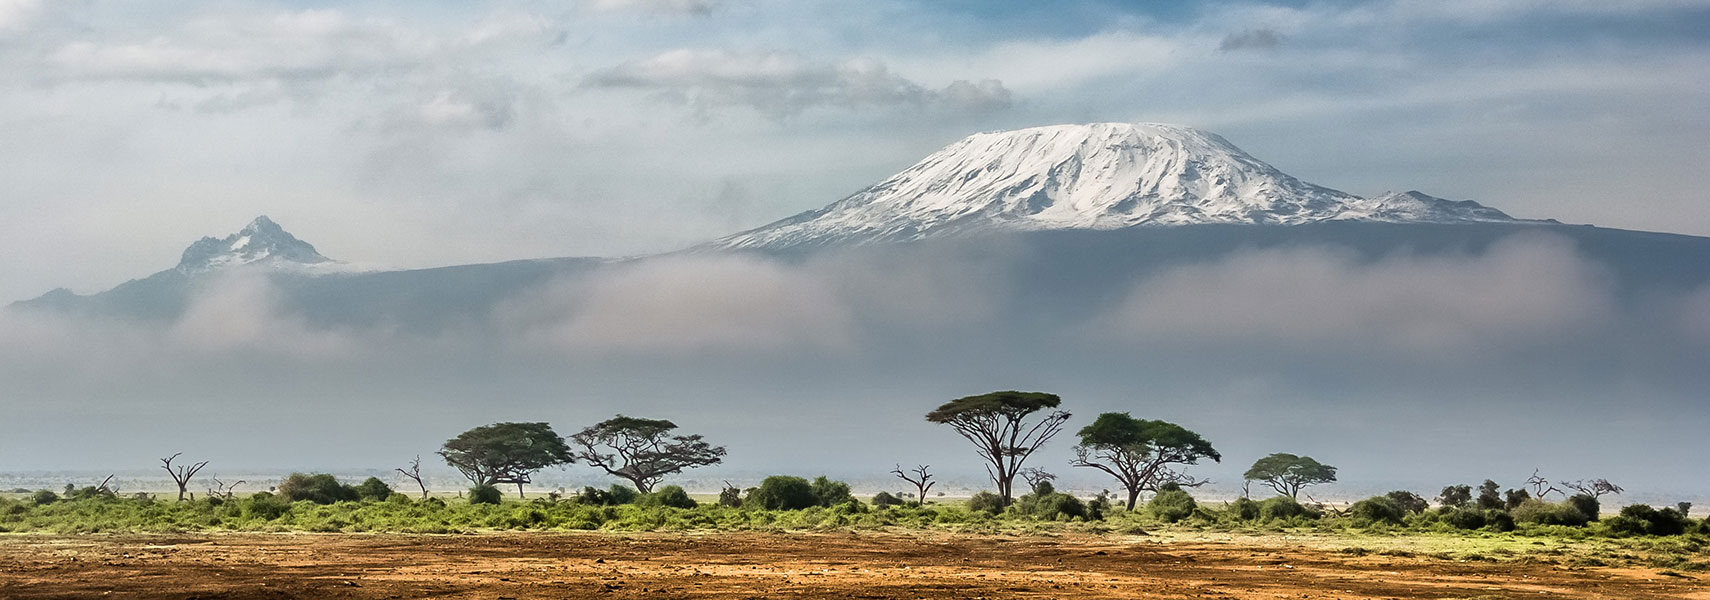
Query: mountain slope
[1097, 176]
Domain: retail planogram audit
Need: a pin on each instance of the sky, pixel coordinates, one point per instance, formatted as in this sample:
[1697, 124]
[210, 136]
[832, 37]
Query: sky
[412, 134]
[417, 134]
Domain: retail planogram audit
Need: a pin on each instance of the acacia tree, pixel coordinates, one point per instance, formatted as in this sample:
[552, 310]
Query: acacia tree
[642, 450]
[1141, 454]
[1288, 474]
[1595, 488]
[181, 474]
[997, 425]
[920, 477]
[505, 452]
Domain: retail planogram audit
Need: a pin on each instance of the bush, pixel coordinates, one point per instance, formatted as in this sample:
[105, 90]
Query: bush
[43, 497]
[1512, 499]
[1455, 496]
[1587, 505]
[730, 496]
[1641, 519]
[319, 488]
[1172, 505]
[1461, 518]
[1283, 508]
[986, 502]
[622, 494]
[782, 492]
[1376, 509]
[1408, 502]
[264, 506]
[485, 494]
[1243, 509]
[672, 496]
[1498, 520]
[1539, 512]
[1046, 503]
[373, 489]
[884, 499]
[830, 493]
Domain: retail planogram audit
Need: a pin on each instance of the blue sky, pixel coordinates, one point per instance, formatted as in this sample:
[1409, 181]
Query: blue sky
[414, 134]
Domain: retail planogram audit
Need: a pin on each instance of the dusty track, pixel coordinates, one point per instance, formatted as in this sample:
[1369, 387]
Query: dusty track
[756, 565]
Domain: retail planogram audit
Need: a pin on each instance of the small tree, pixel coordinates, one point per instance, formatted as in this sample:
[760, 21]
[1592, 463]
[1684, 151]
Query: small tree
[1288, 474]
[997, 425]
[181, 474]
[1540, 487]
[1596, 488]
[1141, 454]
[1490, 496]
[415, 474]
[505, 452]
[642, 450]
[920, 477]
[1455, 496]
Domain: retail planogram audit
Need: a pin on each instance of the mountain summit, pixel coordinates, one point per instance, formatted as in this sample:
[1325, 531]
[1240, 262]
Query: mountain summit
[1097, 176]
[262, 242]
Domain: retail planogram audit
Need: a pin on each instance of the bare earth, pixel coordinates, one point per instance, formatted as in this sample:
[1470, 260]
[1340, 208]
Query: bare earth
[768, 565]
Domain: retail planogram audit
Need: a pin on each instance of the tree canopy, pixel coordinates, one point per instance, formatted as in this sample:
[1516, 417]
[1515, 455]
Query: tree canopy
[642, 450]
[505, 452]
[1288, 474]
[1141, 454]
[997, 425]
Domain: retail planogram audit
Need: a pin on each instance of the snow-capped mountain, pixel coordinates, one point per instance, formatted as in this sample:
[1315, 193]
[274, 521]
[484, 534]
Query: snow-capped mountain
[261, 243]
[1097, 176]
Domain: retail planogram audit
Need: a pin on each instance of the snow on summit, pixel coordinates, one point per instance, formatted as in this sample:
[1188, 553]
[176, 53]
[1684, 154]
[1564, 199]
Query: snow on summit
[262, 243]
[1097, 176]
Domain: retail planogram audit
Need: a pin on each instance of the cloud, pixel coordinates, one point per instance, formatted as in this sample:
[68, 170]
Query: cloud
[785, 83]
[707, 306]
[1521, 291]
[690, 7]
[15, 15]
[1251, 39]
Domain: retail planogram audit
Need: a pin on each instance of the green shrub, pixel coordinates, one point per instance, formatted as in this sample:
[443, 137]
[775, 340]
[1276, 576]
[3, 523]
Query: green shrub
[485, 494]
[671, 495]
[782, 492]
[986, 502]
[884, 499]
[592, 496]
[730, 496]
[830, 493]
[1048, 504]
[1243, 509]
[1512, 499]
[1455, 496]
[44, 497]
[1408, 502]
[1376, 509]
[1641, 519]
[1282, 508]
[400, 498]
[1172, 505]
[1587, 505]
[264, 506]
[373, 489]
[622, 494]
[1539, 512]
[1498, 520]
[319, 488]
[1461, 518]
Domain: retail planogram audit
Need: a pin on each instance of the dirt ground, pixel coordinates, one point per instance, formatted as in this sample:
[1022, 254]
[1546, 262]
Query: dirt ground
[768, 565]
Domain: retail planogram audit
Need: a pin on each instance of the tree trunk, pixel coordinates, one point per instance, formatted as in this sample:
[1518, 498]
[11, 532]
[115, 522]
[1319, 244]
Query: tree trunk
[1133, 497]
[519, 490]
[181, 492]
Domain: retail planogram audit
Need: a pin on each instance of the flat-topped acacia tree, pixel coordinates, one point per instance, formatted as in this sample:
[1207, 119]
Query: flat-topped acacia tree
[1141, 454]
[643, 451]
[997, 424]
[1288, 474]
[505, 452]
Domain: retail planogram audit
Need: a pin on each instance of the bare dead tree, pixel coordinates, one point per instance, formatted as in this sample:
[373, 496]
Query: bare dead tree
[1540, 487]
[103, 487]
[1034, 476]
[1595, 488]
[182, 474]
[221, 490]
[415, 474]
[919, 476]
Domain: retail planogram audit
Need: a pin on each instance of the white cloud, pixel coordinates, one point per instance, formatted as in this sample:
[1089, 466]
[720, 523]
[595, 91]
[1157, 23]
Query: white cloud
[693, 7]
[15, 15]
[785, 83]
[1521, 291]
